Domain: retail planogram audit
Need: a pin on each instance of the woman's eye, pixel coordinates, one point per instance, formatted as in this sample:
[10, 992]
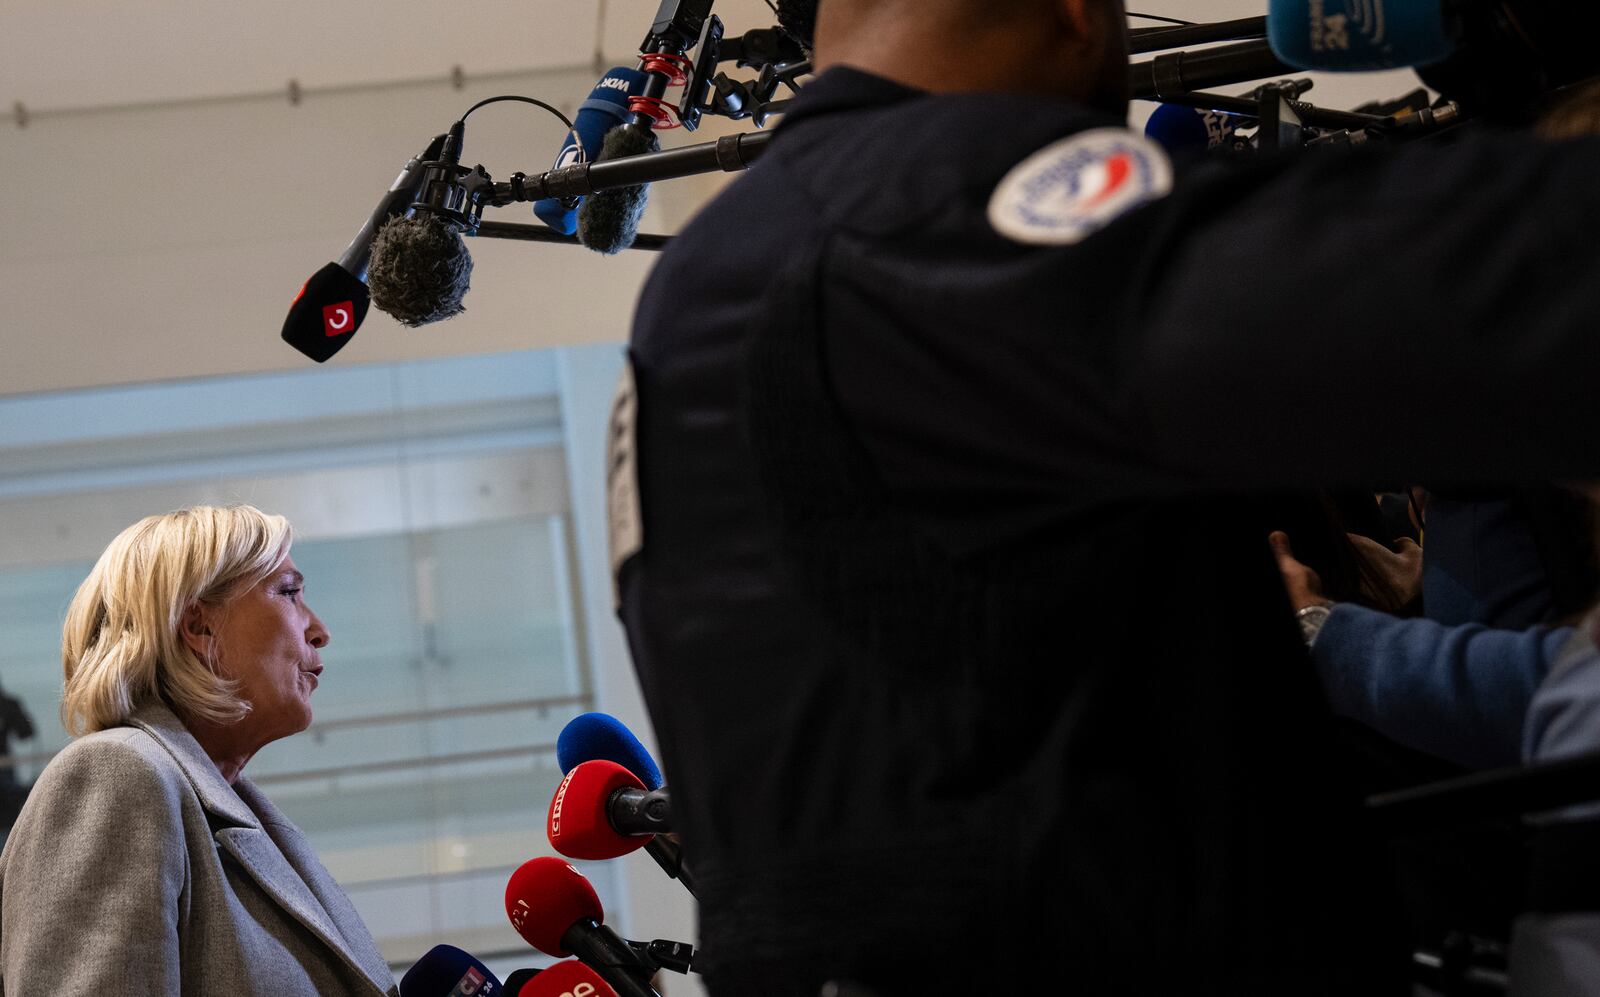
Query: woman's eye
[292, 592]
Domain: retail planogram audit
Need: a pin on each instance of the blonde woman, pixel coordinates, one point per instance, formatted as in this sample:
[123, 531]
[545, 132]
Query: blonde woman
[144, 862]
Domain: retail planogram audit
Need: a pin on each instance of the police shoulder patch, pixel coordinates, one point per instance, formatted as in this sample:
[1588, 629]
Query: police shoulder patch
[1073, 188]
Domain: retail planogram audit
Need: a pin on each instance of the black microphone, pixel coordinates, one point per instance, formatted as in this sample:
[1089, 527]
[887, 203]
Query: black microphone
[420, 269]
[333, 303]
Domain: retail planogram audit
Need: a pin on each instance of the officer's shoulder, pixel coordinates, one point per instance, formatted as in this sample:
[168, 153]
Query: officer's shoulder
[879, 168]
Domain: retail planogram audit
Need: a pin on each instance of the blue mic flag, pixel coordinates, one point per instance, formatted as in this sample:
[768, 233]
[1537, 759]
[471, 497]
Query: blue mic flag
[606, 108]
[1183, 130]
[446, 971]
[1359, 35]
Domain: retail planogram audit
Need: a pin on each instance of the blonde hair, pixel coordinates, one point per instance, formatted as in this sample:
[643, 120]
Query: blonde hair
[121, 644]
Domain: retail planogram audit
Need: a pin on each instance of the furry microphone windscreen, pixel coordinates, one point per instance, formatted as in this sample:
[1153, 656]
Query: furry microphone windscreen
[799, 18]
[420, 270]
[608, 220]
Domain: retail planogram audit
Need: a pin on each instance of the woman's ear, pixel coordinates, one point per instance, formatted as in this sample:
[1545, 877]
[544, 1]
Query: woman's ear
[195, 628]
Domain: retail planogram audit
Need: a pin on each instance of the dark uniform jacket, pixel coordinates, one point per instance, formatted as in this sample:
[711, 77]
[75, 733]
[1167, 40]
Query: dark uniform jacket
[969, 668]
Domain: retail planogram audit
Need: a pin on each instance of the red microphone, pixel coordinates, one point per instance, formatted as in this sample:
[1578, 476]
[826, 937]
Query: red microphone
[569, 978]
[556, 911]
[580, 824]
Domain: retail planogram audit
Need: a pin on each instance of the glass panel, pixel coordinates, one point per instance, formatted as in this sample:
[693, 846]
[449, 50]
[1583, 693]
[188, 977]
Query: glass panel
[430, 504]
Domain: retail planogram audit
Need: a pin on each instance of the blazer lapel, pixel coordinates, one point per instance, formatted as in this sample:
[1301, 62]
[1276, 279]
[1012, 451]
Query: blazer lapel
[329, 898]
[239, 832]
[261, 857]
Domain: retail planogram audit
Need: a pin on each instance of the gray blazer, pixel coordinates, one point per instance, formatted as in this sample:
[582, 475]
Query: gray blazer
[136, 869]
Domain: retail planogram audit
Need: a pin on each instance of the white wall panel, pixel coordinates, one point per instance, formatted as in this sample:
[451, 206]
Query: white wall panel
[89, 53]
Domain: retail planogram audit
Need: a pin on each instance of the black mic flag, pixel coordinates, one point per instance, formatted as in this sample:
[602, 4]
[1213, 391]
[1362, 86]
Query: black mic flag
[326, 313]
[333, 303]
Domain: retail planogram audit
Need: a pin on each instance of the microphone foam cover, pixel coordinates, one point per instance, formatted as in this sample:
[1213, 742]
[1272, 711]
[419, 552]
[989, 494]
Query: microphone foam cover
[545, 897]
[518, 979]
[326, 313]
[1358, 35]
[608, 220]
[446, 971]
[588, 736]
[799, 19]
[569, 978]
[420, 269]
[578, 824]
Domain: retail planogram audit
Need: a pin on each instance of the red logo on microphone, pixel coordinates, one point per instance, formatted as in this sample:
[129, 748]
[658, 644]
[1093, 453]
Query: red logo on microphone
[339, 319]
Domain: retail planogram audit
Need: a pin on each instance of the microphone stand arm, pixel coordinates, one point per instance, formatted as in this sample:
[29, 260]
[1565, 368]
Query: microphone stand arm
[1145, 40]
[1184, 72]
[729, 154]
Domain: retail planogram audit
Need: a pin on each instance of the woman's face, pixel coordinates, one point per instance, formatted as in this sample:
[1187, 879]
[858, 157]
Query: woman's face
[267, 639]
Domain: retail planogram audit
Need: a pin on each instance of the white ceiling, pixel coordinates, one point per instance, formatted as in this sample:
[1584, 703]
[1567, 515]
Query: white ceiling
[70, 54]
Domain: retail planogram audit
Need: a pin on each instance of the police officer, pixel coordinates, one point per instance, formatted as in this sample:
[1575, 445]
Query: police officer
[970, 671]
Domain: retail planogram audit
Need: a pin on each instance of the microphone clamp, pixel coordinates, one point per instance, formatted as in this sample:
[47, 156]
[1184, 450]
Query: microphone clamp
[455, 194]
[633, 811]
[675, 957]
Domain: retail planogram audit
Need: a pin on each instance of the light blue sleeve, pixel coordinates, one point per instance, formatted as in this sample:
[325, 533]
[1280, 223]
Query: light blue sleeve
[1565, 717]
[1459, 693]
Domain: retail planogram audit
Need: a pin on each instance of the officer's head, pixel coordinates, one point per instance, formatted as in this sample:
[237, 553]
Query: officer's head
[1076, 49]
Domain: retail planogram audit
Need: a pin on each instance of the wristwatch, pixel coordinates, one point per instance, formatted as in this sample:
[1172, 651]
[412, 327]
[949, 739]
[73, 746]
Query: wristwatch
[1311, 619]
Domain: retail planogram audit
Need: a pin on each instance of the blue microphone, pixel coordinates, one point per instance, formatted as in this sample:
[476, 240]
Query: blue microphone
[446, 971]
[1360, 35]
[598, 736]
[606, 108]
[589, 736]
[1186, 130]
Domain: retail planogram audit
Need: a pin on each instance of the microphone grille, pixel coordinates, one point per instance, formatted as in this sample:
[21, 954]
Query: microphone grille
[420, 270]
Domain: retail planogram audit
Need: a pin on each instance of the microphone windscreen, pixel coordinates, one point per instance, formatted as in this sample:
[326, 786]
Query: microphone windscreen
[606, 108]
[578, 823]
[545, 897]
[1186, 130]
[326, 313]
[799, 19]
[420, 269]
[569, 978]
[598, 735]
[518, 979]
[608, 220]
[446, 971]
[1359, 35]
